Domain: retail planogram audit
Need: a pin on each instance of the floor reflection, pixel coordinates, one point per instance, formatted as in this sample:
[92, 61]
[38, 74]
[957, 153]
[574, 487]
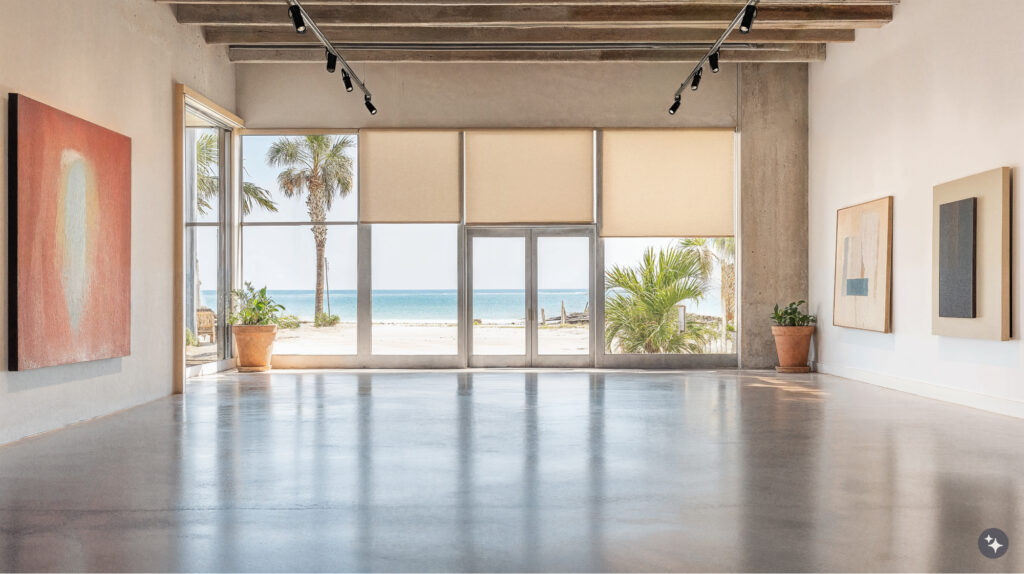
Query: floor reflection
[517, 471]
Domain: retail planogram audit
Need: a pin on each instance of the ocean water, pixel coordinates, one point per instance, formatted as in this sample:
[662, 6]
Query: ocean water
[426, 306]
[440, 306]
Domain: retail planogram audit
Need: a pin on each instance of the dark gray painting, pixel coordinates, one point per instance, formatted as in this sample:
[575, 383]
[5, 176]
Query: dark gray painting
[958, 258]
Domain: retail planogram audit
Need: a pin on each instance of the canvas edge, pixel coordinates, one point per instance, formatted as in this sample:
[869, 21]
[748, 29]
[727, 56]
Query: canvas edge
[887, 327]
[12, 232]
[1007, 255]
[890, 200]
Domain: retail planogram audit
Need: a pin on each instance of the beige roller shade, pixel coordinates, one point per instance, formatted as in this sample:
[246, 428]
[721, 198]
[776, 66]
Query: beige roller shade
[530, 176]
[667, 183]
[409, 176]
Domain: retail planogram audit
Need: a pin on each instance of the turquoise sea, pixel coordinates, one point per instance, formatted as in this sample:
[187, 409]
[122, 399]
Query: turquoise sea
[426, 306]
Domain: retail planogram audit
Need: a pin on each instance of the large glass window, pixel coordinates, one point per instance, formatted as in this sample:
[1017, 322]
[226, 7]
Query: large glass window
[299, 238]
[670, 295]
[204, 189]
[415, 289]
[283, 258]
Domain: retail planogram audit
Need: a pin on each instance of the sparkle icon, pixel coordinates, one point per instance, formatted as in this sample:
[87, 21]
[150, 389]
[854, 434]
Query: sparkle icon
[993, 543]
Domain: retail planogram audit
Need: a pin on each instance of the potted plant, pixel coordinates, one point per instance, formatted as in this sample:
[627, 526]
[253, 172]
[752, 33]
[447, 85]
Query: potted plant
[254, 326]
[793, 330]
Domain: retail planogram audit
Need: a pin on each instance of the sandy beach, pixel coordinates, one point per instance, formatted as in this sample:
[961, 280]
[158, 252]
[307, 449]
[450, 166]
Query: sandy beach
[424, 339]
[416, 339]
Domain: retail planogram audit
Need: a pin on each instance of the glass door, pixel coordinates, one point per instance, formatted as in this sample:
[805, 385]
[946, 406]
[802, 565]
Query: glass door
[206, 279]
[499, 313]
[563, 294]
[531, 297]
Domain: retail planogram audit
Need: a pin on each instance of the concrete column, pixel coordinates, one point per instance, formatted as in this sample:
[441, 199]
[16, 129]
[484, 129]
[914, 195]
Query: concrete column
[773, 201]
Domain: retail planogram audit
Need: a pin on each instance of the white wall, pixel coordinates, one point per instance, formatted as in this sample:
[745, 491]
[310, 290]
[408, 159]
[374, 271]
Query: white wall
[112, 62]
[933, 97]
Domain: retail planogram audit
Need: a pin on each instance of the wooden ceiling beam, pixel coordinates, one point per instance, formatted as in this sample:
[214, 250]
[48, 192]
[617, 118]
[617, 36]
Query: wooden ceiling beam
[842, 16]
[792, 53]
[505, 35]
[735, 3]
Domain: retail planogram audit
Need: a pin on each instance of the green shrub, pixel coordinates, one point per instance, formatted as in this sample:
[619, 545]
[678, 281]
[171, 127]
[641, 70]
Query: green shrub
[253, 307]
[791, 316]
[325, 320]
[288, 322]
[190, 338]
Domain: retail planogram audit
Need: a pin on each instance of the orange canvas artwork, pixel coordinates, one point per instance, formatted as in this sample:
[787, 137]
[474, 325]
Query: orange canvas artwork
[69, 238]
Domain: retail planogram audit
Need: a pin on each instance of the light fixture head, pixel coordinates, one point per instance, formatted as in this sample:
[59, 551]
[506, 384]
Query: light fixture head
[370, 107]
[696, 79]
[749, 13]
[675, 106]
[332, 62]
[347, 79]
[713, 61]
[296, 14]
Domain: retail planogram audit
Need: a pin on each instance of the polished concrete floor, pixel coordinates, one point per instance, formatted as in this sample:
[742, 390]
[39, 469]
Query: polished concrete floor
[518, 471]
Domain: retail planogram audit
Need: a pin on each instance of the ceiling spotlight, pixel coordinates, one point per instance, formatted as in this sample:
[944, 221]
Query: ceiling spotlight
[370, 107]
[713, 60]
[675, 106]
[347, 79]
[749, 13]
[696, 79]
[332, 62]
[296, 14]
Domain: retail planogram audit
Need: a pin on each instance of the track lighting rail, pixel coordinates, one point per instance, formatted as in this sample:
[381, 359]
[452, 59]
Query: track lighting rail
[302, 22]
[744, 19]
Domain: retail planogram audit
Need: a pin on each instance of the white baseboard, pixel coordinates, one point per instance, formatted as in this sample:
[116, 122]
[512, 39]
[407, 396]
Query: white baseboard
[989, 403]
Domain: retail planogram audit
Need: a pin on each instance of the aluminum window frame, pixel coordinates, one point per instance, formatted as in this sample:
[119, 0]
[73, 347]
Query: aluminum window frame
[597, 356]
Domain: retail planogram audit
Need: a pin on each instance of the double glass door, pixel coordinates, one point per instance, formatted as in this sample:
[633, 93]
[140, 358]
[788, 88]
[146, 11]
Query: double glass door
[531, 296]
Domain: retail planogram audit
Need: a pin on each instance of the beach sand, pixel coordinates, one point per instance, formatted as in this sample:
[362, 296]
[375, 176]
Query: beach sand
[419, 339]
[416, 339]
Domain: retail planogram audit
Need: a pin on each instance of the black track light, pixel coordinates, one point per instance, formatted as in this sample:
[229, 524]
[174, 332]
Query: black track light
[713, 61]
[696, 79]
[370, 107]
[675, 106]
[347, 79]
[749, 13]
[296, 14]
[332, 62]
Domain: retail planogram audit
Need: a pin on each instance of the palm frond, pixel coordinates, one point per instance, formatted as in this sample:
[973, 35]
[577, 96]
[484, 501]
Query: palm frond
[254, 195]
[640, 308]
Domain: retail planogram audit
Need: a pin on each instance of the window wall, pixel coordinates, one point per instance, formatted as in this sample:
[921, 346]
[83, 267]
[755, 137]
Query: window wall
[300, 206]
[372, 261]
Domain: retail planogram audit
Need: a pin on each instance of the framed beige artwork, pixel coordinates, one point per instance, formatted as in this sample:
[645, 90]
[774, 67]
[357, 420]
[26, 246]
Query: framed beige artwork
[971, 255]
[863, 281]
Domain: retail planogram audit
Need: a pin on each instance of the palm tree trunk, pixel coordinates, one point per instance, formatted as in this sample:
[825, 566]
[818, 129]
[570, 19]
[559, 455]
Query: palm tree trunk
[316, 205]
[321, 246]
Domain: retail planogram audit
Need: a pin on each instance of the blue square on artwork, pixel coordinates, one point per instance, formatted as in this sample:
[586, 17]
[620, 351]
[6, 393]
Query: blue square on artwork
[857, 287]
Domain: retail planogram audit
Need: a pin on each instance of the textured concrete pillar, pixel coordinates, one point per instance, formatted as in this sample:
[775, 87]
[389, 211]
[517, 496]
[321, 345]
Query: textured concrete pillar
[773, 201]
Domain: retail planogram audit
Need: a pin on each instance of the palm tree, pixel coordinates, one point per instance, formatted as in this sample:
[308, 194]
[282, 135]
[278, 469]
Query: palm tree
[208, 183]
[320, 167]
[720, 250]
[640, 313]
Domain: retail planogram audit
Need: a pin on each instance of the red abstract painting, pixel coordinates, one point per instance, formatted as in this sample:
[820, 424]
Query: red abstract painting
[70, 238]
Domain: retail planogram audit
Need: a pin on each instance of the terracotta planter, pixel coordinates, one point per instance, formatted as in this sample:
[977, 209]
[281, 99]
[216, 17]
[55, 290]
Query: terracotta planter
[254, 344]
[793, 345]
